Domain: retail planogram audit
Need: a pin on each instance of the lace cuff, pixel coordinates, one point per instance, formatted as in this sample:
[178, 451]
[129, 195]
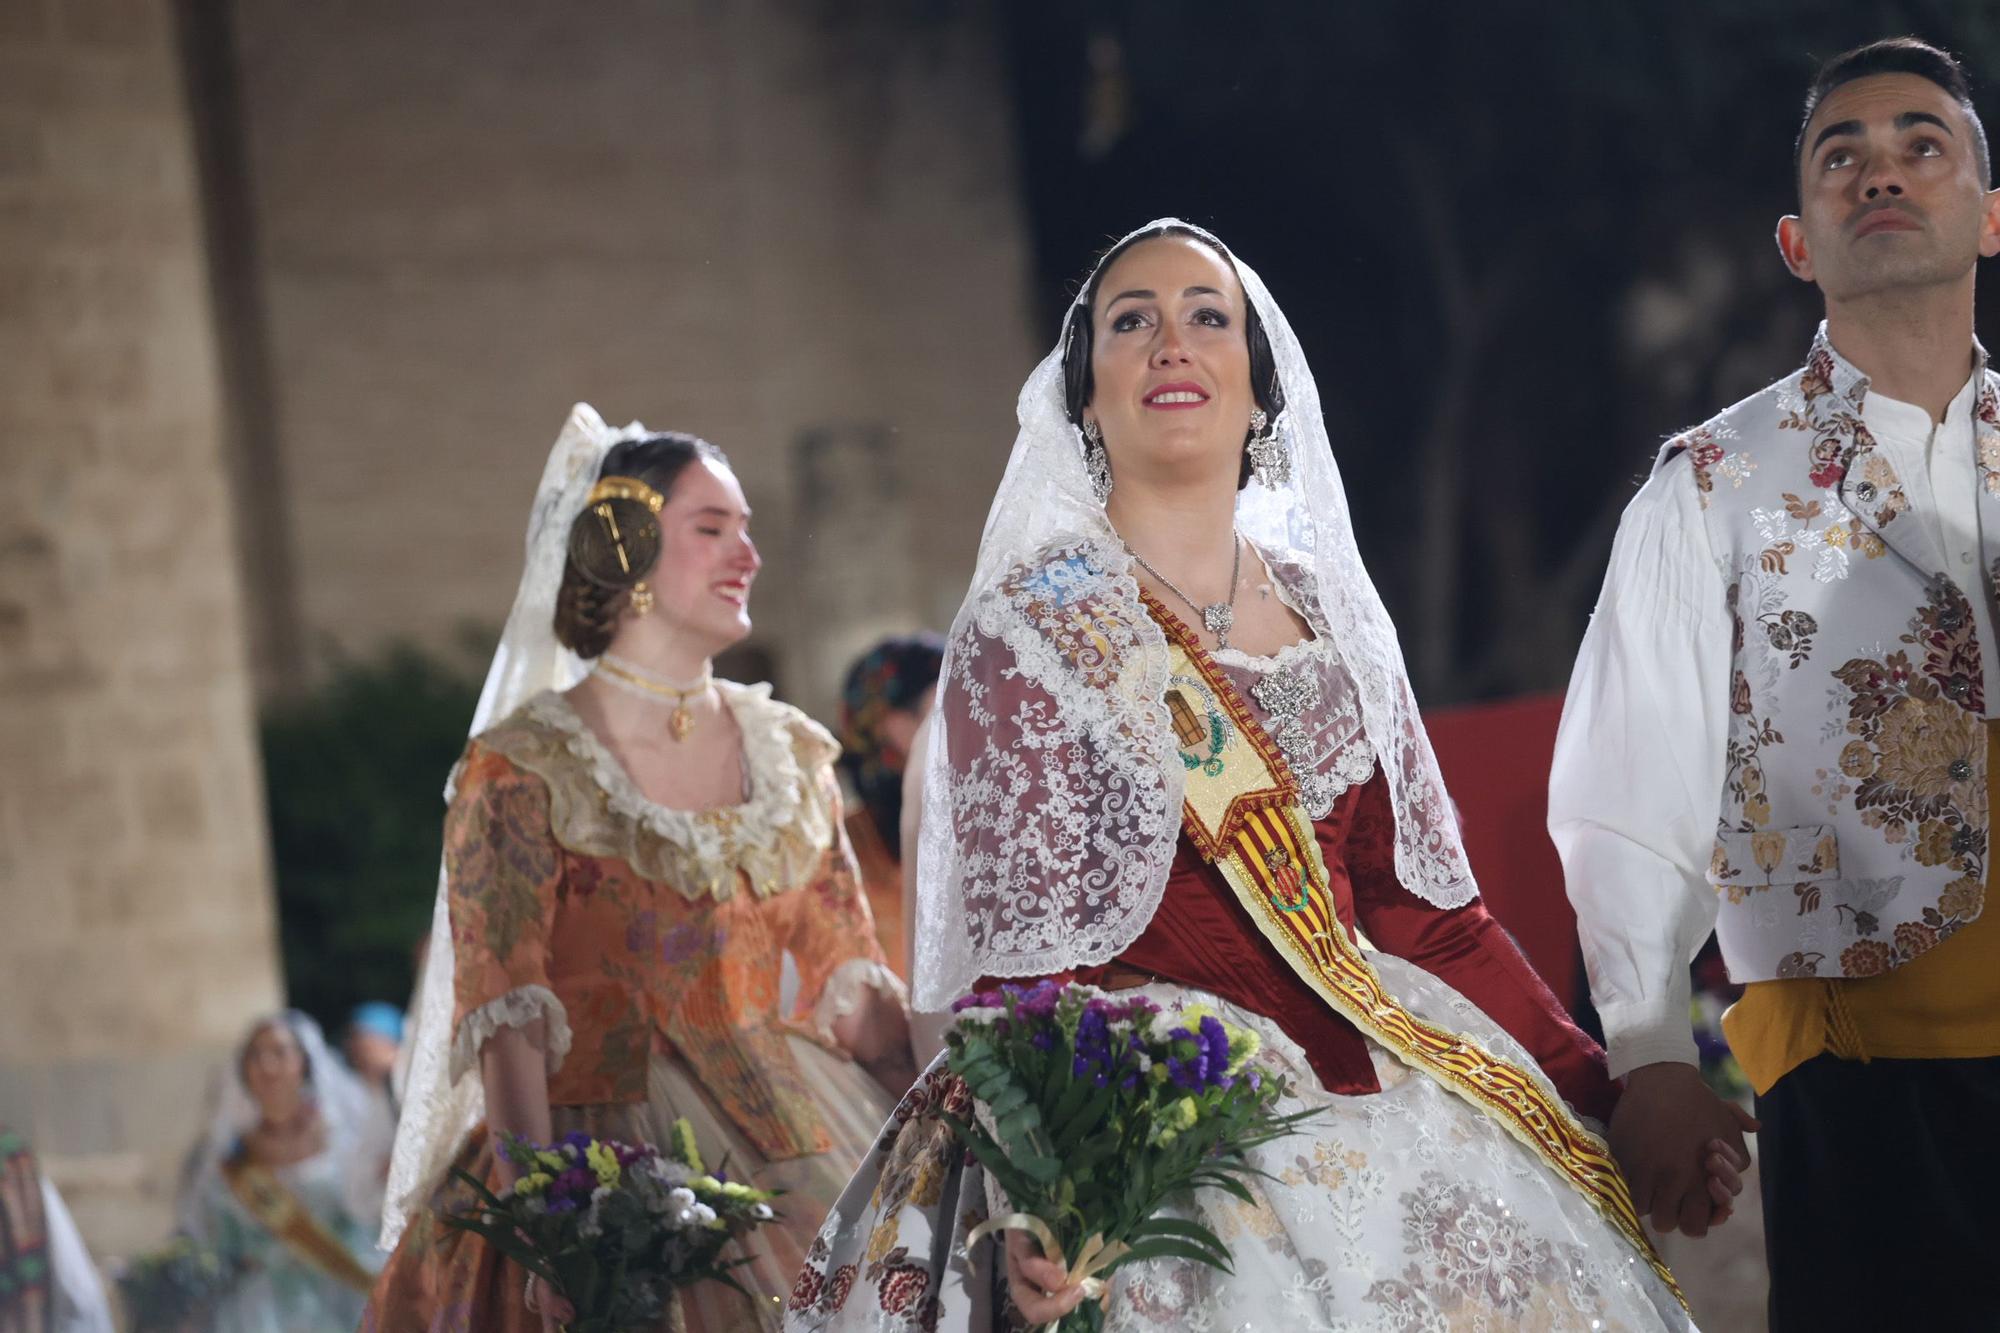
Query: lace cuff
[516, 1009]
[842, 993]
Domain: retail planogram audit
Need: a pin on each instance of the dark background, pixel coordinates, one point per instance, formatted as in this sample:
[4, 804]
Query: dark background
[1523, 244]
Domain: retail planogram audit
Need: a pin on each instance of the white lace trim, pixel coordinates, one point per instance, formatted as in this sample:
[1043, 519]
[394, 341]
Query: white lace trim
[1284, 657]
[716, 839]
[842, 993]
[516, 1009]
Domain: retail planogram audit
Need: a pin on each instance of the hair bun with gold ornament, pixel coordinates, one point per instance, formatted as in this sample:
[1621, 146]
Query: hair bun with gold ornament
[616, 538]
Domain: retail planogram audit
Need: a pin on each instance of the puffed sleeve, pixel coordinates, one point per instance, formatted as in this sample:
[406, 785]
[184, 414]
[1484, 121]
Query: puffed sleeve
[1470, 951]
[1638, 772]
[503, 868]
[833, 939]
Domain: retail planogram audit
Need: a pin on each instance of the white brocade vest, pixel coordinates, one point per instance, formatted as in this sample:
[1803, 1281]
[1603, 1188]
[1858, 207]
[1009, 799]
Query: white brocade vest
[1852, 833]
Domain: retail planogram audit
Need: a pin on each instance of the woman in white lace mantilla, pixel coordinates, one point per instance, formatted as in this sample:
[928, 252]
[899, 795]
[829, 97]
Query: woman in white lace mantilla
[632, 848]
[287, 1182]
[1174, 748]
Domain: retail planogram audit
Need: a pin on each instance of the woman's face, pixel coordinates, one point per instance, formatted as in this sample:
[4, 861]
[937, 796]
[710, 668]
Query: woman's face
[1170, 362]
[274, 1068]
[701, 584]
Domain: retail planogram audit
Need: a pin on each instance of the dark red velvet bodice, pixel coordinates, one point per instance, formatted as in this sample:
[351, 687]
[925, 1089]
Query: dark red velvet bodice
[1201, 937]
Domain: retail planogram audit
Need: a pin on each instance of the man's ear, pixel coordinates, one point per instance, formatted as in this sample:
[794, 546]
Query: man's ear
[1792, 249]
[1989, 226]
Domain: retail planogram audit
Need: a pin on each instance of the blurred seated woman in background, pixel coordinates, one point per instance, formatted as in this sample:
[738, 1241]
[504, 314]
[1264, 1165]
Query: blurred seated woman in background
[885, 700]
[632, 849]
[286, 1186]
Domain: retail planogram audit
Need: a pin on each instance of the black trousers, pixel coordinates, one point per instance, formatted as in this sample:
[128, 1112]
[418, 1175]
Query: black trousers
[1881, 1186]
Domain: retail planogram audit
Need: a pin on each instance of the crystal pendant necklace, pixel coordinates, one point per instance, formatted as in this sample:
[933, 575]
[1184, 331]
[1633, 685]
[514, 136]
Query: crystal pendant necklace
[635, 679]
[1218, 617]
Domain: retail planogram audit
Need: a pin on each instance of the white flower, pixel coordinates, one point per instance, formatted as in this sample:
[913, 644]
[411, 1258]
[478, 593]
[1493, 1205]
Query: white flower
[600, 1194]
[703, 1214]
[762, 1212]
[569, 1151]
[685, 1217]
[681, 1198]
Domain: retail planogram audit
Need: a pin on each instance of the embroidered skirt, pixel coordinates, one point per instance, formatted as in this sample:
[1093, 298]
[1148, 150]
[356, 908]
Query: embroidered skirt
[1401, 1210]
[442, 1280]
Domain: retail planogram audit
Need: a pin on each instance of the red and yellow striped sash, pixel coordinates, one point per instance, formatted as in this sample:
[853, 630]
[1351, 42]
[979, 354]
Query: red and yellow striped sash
[1241, 811]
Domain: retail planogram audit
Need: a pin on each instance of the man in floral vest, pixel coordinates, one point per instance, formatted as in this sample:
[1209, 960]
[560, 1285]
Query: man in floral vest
[1778, 729]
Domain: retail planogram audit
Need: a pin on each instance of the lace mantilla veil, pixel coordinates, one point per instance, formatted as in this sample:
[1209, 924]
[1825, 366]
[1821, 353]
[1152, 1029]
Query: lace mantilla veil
[1052, 784]
[441, 1104]
[357, 1126]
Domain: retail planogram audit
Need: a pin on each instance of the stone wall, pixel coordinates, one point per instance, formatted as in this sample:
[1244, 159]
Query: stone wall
[138, 936]
[788, 226]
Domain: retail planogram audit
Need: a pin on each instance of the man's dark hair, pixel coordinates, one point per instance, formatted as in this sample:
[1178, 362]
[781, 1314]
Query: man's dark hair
[1893, 55]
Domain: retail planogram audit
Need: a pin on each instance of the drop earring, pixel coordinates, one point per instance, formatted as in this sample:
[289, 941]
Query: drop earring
[1096, 462]
[642, 599]
[1270, 451]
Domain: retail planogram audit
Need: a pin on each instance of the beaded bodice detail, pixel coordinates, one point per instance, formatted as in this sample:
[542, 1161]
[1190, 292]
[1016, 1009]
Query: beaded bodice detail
[1309, 705]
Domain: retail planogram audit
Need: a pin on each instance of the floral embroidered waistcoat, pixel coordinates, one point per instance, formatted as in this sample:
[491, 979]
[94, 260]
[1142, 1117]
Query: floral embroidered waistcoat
[1852, 835]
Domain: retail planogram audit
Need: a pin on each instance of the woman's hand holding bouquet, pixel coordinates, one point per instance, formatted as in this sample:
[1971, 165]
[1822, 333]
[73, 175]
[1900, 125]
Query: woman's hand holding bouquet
[1095, 1111]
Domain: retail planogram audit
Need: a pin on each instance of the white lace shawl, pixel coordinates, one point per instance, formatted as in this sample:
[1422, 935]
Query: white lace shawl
[440, 1109]
[1052, 787]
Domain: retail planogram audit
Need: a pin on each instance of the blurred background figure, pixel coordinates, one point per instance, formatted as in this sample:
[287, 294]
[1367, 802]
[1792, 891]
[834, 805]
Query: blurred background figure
[47, 1282]
[286, 1185]
[373, 1046]
[885, 699]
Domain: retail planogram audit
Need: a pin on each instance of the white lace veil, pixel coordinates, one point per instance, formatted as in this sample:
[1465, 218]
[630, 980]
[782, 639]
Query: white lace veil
[438, 1110]
[1052, 785]
[357, 1123]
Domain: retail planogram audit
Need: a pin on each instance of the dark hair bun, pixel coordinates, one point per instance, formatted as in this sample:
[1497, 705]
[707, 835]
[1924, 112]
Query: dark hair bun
[614, 542]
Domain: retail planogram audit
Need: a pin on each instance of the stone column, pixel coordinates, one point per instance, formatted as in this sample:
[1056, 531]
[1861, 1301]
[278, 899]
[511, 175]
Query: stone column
[138, 932]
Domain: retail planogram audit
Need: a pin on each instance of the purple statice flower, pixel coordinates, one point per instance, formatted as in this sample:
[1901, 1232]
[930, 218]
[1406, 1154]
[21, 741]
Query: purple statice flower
[1039, 1000]
[1208, 1067]
[1125, 1011]
[1215, 1044]
[575, 1183]
[573, 1139]
[563, 1204]
[979, 999]
[1093, 1048]
[1043, 1039]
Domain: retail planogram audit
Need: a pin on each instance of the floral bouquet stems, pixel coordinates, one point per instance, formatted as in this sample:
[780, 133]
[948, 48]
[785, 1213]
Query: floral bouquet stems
[619, 1229]
[1098, 1111]
[175, 1287]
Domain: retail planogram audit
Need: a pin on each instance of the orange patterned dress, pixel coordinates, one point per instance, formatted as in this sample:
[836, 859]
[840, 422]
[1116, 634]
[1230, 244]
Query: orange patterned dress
[651, 941]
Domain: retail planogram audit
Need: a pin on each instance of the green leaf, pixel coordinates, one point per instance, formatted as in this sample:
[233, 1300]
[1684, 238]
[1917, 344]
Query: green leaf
[1166, 1249]
[1161, 1225]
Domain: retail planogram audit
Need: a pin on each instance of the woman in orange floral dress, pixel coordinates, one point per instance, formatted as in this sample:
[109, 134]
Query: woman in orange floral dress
[632, 848]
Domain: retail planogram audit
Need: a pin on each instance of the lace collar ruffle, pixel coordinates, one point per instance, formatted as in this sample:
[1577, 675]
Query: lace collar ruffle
[775, 838]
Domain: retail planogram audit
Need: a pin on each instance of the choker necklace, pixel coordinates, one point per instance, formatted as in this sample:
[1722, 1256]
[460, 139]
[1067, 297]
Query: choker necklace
[633, 678]
[1218, 617]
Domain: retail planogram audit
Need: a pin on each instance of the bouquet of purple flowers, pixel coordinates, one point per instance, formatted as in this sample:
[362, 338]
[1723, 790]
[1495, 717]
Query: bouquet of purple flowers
[175, 1288]
[618, 1229]
[1098, 1110]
